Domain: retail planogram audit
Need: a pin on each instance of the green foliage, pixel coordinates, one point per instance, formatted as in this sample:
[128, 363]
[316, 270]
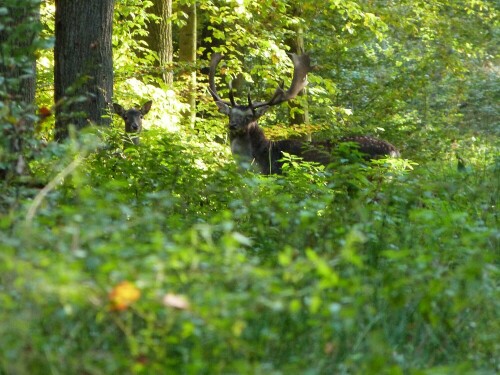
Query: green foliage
[131, 55]
[369, 267]
[388, 266]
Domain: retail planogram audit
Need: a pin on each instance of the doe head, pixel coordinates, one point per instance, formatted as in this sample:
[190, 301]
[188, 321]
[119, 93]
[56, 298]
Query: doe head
[133, 117]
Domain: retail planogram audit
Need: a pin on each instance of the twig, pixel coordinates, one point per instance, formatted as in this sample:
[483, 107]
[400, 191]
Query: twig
[50, 186]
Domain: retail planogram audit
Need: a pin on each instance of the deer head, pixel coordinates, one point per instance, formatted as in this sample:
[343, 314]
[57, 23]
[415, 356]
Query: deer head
[133, 117]
[242, 116]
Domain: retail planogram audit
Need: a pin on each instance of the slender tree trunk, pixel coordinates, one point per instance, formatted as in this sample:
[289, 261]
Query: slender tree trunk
[20, 27]
[302, 116]
[187, 55]
[160, 38]
[299, 111]
[83, 63]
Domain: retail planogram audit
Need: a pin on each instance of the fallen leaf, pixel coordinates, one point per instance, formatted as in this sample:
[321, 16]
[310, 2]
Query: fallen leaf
[176, 301]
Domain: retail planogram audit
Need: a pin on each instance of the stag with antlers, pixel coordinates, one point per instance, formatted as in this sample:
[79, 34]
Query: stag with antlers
[250, 145]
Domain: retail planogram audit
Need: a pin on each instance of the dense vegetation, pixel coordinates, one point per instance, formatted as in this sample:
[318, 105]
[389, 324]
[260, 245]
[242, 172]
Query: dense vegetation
[166, 258]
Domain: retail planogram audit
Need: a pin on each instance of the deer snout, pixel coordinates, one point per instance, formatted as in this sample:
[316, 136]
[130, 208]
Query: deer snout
[134, 128]
[234, 125]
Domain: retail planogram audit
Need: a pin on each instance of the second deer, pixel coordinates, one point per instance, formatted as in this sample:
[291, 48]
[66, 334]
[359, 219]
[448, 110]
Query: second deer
[249, 143]
[133, 118]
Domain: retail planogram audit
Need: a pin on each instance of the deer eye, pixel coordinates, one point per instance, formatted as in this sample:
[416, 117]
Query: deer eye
[142, 117]
[125, 118]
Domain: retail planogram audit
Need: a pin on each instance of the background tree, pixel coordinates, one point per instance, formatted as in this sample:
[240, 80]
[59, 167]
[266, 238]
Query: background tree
[20, 27]
[19, 31]
[187, 57]
[83, 75]
[160, 37]
[299, 109]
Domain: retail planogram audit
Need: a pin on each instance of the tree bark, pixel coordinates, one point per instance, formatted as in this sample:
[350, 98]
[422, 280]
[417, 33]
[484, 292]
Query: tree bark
[187, 55]
[160, 38]
[83, 63]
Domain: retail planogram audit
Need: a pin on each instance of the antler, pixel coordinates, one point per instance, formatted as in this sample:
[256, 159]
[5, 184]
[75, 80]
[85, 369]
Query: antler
[216, 58]
[301, 66]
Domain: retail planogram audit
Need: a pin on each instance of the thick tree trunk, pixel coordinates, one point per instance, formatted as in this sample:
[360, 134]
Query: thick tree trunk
[187, 56]
[160, 38]
[83, 63]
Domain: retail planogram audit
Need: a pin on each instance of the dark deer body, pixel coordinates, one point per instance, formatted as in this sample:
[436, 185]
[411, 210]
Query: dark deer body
[372, 148]
[133, 118]
[249, 144]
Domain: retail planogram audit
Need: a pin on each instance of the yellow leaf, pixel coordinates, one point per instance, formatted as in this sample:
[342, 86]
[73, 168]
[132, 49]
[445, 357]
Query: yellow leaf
[123, 295]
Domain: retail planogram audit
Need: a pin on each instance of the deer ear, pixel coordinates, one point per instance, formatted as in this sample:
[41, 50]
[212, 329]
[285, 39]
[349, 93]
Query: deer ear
[223, 108]
[146, 107]
[118, 109]
[261, 110]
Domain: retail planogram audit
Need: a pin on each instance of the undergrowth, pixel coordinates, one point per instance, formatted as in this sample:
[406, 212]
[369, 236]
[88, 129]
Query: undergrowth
[369, 268]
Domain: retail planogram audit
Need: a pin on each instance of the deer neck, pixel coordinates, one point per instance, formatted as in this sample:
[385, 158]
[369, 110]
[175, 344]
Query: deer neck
[251, 147]
[241, 147]
[262, 150]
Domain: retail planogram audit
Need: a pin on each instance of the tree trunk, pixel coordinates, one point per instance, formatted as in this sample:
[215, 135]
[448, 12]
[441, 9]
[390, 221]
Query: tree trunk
[16, 41]
[21, 25]
[160, 38]
[187, 56]
[83, 63]
[296, 44]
